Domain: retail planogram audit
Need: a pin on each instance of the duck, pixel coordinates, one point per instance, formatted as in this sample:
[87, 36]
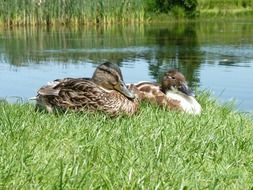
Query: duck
[173, 93]
[105, 91]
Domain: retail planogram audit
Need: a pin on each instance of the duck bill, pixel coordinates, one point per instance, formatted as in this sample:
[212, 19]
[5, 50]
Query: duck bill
[123, 90]
[186, 90]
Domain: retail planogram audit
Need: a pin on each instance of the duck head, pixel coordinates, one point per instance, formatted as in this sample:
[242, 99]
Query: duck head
[109, 77]
[175, 81]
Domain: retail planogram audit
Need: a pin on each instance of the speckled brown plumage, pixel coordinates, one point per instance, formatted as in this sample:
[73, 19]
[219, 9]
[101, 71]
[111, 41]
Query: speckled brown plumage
[95, 94]
[151, 92]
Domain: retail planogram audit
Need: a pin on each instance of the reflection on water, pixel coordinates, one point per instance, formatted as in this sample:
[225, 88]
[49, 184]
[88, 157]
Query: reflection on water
[215, 55]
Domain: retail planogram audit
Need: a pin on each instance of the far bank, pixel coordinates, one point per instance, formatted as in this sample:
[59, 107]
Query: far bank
[86, 12]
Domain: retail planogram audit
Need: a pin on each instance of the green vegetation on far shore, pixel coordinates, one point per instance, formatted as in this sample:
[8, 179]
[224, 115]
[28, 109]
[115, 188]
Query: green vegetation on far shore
[155, 149]
[80, 12]
[225, 7]
[49, 12]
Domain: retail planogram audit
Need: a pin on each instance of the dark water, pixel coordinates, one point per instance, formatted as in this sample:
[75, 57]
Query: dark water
[217, 56]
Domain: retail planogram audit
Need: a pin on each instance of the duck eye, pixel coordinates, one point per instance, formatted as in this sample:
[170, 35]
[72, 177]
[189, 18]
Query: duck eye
[171, 77]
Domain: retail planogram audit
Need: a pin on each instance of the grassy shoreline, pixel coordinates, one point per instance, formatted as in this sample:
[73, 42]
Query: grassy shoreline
[86, 12]
[153, 149]
[204, 15]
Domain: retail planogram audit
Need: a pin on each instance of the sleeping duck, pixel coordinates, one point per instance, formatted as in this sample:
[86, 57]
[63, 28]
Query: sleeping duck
[173, 93]
[105, 91]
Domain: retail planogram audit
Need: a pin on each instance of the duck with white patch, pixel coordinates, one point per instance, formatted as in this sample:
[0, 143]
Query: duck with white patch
[173, 93]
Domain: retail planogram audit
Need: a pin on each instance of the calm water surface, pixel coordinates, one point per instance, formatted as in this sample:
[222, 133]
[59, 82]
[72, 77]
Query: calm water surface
[216, 56]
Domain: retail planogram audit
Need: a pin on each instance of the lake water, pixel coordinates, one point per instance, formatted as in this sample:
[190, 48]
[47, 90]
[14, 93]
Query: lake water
[216, 56]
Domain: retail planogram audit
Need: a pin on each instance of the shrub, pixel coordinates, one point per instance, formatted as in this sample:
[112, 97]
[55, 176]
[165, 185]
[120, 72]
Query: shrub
[188, 6]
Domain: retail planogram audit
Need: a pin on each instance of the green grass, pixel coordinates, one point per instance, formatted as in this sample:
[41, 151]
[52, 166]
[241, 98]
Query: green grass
[155, 149]
[229, 4]
[225, 8]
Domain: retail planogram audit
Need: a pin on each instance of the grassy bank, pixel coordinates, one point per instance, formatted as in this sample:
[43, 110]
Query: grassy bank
[225, 4]
[155, 149]
[225, 7]
[77, 12]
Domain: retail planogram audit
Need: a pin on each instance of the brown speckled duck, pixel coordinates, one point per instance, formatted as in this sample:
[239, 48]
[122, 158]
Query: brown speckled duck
[105, 91]
[173, 93]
